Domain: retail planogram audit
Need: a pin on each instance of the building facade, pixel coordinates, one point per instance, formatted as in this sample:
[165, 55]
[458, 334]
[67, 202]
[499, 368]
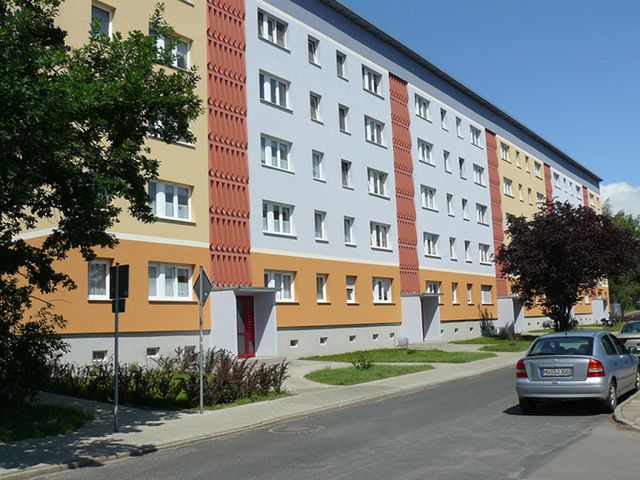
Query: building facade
[343, 194]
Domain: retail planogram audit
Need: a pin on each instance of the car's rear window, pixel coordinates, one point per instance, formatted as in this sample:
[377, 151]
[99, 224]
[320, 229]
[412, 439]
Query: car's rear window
[631, 328]
[563, 346]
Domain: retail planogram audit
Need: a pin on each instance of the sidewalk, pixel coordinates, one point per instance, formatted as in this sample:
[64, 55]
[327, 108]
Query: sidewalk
[144, 431]
[628, 413]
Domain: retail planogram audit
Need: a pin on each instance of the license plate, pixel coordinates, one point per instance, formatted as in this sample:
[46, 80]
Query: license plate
[556, 372]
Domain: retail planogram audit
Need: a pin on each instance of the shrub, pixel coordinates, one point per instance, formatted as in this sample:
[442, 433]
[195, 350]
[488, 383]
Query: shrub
[362, 363]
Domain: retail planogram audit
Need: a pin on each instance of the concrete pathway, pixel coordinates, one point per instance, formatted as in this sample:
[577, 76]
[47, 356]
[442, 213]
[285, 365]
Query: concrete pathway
[628, 413]
[145, 431]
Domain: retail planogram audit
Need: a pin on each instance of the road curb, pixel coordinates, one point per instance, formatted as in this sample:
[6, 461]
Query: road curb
[136, 452]
[619, 417]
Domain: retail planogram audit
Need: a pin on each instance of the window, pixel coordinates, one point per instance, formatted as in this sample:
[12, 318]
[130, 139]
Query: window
[153, 352]
[317, 165]
[463, 173]
[467, 251]
[454, 292]
[481, 214]
[272, 29]
[169, 282]
[443, 119]
[518, 164]
[377, 182]
[465, 209]
[282, 282]
[319, 225]
[341, 65]
[424, 152]
[537, 169]
[556, 180]
[275, 153]
[343, 118]
[170, 201]
[592, 201]
[486, 294]
[274, 90]
[179, 52]
[478, 174]
[484, 253]
[99, 279]
[529, 196]
[450, 211]
[99, 356]
[321, 288]
[373, 130]
[349, 237]
[475, 135]
[431, 244]
[520, 194]
[447, 165]
[371, 81]
[428, 197]
[506, 186]
[539, 199]
[459, 127]
[379, 235]
[351, 288]
[314, 106]
[433, 288]
[422, 107]
[313, 45]
[276, 218]
[103, 18]
[345, 171]
[469, 293]
[452, 249]
[381, 290]
[586, 298]
[504, 152]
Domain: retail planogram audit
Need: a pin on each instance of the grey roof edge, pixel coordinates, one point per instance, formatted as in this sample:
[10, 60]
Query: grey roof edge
[382, 35]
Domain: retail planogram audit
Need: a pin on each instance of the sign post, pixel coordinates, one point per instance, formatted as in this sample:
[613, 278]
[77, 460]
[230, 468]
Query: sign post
[118, 291]
[202, 288]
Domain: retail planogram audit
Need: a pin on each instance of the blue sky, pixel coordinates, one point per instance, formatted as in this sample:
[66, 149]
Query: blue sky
[568, 69]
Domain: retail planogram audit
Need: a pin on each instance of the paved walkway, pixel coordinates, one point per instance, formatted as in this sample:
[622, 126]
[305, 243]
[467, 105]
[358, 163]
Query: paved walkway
[629, 412]
[148, 430]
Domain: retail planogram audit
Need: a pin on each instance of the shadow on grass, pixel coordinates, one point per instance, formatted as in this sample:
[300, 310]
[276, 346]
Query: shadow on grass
[89, 444]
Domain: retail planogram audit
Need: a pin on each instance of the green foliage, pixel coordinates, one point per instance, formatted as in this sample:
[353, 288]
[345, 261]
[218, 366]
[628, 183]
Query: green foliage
[30, 421]
[352, 376]
[404, 355]
[362, 363]
[562, 252]
[73, 127]
[625, 288]
[173, 382]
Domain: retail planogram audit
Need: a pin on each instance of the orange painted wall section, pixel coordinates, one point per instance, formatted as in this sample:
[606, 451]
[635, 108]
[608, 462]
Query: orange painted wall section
[229, 235]
[496, 206]
[141, 315]
[403, 169]
[307, 312]
[547, 182]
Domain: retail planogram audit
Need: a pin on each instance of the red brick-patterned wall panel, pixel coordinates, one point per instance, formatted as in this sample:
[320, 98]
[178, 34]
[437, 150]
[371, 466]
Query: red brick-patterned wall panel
[547, 182]
[229, 237]
[403, 168]
[496, 207]
[585, 197]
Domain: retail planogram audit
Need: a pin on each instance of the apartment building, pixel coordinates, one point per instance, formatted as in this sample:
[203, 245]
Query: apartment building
[343, 194]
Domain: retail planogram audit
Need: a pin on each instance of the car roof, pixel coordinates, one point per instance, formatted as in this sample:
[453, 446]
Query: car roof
[580, 333]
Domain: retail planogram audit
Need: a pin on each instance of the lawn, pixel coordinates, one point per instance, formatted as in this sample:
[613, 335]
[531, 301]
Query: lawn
[404, 355]
[352, 376]
[245, 401]
[31, 421]
[500, 343]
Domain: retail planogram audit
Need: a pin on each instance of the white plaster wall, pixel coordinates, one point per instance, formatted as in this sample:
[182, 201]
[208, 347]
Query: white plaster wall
[411, 319]
[224, 332]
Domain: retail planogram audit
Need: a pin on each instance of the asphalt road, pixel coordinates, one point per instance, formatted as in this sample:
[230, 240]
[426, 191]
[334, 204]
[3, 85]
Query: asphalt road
[465, 429]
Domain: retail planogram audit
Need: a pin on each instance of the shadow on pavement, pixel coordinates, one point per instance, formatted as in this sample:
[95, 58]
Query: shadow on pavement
[577, 408]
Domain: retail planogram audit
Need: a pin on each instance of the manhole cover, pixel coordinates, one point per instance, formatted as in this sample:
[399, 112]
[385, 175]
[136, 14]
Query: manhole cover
[294, 429]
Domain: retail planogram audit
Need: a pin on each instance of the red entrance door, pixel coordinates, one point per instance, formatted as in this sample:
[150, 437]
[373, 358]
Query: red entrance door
[246, 330]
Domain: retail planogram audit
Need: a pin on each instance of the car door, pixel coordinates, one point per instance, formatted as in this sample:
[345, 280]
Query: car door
[613, 364]
[627, 362]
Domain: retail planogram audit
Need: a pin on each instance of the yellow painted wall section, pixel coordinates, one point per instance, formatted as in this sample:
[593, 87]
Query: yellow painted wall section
[142, 315]
[461, 310]
[307, 312]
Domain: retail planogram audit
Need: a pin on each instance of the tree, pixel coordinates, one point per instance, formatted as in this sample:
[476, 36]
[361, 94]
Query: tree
[73, 126]
[562, 253]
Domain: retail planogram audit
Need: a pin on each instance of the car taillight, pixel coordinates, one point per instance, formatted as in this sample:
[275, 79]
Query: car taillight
[595, 368]
[521, 372]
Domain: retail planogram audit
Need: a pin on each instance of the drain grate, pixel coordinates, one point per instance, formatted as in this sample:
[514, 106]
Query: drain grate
[295, 429]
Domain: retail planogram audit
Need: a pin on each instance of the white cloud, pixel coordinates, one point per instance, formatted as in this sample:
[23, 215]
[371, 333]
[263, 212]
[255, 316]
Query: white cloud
[622, 196]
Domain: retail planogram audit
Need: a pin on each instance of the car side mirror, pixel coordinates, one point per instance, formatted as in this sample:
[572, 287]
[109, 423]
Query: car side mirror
[633, 350]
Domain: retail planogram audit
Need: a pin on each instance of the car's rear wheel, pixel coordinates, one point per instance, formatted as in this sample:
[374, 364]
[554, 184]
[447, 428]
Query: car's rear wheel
[527, 405]
[611, 402]
[637, 385]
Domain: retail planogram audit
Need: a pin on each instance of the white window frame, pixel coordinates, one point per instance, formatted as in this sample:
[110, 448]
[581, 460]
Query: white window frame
[268, 29]
[422, 107]
[504, 152]
[434, 287]
[349, 230]
[371, 81]
[454, 293]
[377, 182]
[507, 186]
[341, 66]
[374, 131]
[350, 286]
[537, 169]
[425, 152]
[315, 112]
[107, 264]
[469, 293]
[109, 12]
[462, 167]
[484, 253]
[274, 90]
[317, 166]
[447, 165]
[465, 209]
[467, 251]
[161, 43]
[161, 282]
[453, 255]
[379, 235]
[481, 214]
[431, 247]
[267, 142]
[343, 118]
[486, 294]
[320, 225]
[476, 135]
[273, 210]
[450, 210]
[159, 203]
[443, 119]
[345, 173]
[429, 199]
[459, 127]
[321, 288]
[478, 175]
[275, 279]
[381, 290]
[313, 50]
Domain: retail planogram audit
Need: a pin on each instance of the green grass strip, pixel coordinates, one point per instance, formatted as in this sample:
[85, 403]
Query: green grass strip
[404, 355]
[248, 400]
[498, 339]
[352, 376]
[31, 421]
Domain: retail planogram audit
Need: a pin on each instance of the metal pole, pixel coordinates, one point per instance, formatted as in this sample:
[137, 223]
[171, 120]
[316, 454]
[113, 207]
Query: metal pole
[116, 364]
[201, 350]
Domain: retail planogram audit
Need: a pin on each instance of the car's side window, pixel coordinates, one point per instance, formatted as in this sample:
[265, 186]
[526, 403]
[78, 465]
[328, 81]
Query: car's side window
[618, 344]
[607, 344]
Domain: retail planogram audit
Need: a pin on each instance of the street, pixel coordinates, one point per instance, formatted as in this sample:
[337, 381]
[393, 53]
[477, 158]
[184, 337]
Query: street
[463, 429]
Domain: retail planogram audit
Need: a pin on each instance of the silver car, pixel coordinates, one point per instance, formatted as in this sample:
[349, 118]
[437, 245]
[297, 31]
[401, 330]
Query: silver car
[630, 334]
[576, 365]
